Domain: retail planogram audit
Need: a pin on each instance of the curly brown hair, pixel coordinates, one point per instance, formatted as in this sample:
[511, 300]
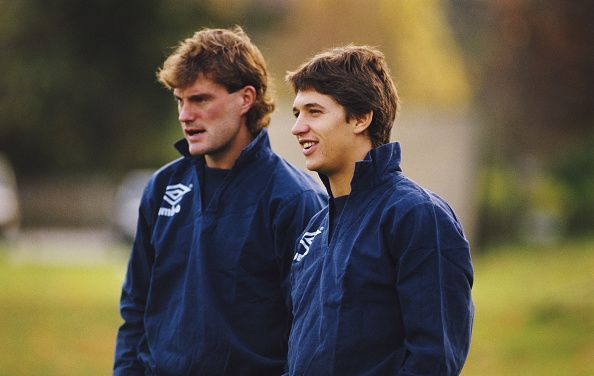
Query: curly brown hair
[229, 58]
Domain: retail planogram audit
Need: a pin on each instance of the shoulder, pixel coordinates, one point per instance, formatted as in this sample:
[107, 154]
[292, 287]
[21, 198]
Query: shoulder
[173, 171]
[412, 209]
[406, 196]
[403, 192]
[289, 180]
[178, 166]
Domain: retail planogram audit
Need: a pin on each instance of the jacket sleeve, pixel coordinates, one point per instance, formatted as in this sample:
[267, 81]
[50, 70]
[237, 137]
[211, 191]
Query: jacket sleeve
[133, 302]
[434, 284]
[289, 223]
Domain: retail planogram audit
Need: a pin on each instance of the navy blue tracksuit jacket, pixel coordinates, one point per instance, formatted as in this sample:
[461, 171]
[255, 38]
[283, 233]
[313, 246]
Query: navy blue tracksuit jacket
[390, 293]
[206, 287]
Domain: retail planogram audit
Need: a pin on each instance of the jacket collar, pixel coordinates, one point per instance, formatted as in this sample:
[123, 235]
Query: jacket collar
[377, 164]
[259, 146]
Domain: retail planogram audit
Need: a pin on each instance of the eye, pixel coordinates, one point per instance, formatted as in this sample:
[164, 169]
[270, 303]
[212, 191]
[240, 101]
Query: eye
[296, 114]
[200, 98]
[315, 111]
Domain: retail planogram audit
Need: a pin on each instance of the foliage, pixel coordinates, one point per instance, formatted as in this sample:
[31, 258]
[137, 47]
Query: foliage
[501, 206]
[538, 203]
[428, 60]
[80, 77]
[574, 169]
[78, 90]
[531, 66]
[81, 95]
[523, 205]
[415, 36]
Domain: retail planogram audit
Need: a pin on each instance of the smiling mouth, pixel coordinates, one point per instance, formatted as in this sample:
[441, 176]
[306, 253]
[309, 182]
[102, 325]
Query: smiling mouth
[307, 145]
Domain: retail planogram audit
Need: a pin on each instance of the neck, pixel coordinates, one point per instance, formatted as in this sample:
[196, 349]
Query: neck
[341, 184]
[340, 181]
[225, 157]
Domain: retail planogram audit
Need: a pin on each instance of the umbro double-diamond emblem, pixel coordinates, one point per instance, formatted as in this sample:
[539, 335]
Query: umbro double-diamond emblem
[173, 195]
[305, 243]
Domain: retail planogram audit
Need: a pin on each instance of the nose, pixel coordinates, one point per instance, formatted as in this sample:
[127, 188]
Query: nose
[185, 113]
[299, 127]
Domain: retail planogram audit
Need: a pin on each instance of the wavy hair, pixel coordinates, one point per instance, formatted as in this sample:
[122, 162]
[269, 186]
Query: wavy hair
[229, 58]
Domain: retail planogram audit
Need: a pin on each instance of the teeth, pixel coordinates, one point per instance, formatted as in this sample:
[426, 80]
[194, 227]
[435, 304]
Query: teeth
[307, 145]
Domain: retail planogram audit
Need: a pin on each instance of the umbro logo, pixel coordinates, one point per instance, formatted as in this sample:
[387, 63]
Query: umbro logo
[173, 195]
[305, 243]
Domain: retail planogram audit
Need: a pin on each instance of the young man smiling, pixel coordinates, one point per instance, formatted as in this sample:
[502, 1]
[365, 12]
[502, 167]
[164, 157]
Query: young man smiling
[206, 288]
[381, 280]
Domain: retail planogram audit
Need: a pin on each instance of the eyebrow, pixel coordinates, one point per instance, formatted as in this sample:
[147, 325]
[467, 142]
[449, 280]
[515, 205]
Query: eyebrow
[309, 105]
[196, 97]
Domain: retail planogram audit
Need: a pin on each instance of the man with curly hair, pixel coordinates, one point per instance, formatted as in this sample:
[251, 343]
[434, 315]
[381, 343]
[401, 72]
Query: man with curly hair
[205, 291]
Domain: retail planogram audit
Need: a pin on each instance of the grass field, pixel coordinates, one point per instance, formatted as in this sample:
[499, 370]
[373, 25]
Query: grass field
[534, 314]
[58, 320]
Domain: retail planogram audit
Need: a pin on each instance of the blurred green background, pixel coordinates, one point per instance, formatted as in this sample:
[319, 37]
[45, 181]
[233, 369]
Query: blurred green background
[497, 116]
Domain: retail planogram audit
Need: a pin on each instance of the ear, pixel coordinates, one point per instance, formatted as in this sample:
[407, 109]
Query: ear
[248, 97]
[362, 122]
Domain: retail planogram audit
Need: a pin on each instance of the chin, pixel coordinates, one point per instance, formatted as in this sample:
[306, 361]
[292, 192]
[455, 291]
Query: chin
[310, 166]
[196, 150]
[314, 167]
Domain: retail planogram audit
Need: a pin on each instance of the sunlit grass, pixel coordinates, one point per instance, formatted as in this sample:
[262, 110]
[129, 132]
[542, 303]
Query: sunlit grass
[58, 320]
[534, 314]
[534, 311]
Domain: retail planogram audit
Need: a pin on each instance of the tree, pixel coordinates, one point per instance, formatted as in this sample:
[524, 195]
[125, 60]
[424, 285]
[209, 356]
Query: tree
[78, 91]
[532, 65]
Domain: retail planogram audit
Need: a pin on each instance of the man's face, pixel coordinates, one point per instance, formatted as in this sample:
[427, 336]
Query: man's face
[323, 132]
[212, 119]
